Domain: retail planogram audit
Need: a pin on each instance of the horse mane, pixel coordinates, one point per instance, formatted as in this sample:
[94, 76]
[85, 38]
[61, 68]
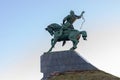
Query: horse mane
[54, 26]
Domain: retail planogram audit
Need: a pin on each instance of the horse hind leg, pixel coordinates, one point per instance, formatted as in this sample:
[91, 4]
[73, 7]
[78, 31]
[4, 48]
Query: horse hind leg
[75, 42]
[78, 37]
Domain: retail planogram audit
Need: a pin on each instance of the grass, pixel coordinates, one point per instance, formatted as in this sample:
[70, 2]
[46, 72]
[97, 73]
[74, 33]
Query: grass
[84, 75]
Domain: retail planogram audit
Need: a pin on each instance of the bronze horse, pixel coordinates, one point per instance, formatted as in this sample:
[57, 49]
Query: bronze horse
[67, 35]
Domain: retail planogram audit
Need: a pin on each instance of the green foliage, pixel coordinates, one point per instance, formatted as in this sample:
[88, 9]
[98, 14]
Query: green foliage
[85, 75]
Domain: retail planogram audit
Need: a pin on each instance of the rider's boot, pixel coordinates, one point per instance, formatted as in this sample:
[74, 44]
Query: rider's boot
[61, 31]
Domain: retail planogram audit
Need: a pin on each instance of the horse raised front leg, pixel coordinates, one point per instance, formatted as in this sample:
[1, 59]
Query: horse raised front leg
[53, 42]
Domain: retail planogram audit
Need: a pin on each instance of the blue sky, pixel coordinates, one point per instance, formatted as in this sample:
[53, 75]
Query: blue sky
[23, 37]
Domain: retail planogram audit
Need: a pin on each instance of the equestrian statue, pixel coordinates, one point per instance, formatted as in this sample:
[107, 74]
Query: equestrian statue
[66, 32]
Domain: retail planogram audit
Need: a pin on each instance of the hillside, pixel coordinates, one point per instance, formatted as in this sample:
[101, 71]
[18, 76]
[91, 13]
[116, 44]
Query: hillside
[84, 75]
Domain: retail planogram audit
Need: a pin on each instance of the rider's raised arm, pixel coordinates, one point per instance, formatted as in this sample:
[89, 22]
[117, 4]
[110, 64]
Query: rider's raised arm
[78, 17]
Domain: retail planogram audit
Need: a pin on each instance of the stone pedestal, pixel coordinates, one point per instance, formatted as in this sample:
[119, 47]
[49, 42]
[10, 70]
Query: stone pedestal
[63, 61]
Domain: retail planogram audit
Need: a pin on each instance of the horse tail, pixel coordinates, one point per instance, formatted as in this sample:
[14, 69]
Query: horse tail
[63, 43]
[84, 34]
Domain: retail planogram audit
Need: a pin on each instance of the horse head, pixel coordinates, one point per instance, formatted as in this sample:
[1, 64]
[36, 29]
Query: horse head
[52, 28]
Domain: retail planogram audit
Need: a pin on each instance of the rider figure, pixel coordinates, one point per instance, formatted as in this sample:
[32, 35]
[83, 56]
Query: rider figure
[69, 20]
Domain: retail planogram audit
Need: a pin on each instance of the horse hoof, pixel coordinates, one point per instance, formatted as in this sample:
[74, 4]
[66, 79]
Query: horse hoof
[46, 52]
[72, 49]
